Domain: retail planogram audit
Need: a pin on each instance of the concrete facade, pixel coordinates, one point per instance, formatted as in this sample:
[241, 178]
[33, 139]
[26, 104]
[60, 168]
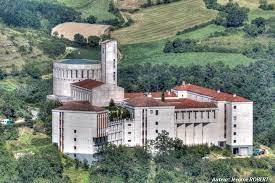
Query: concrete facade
[66, 72]
[98, 96]
[77, 132]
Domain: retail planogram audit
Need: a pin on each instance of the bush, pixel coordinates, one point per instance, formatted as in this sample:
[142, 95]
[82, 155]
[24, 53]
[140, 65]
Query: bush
[265, 6]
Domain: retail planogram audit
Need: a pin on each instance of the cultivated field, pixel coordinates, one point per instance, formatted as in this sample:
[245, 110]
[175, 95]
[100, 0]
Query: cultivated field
[163, 21]
[251, 4]
[69, 29]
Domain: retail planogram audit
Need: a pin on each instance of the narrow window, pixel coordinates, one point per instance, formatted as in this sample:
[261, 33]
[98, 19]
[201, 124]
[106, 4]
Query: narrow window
[157, 131]
[235, 107]
[75, 139]
[151, 111]
[129, 132]
[235, 117]
[208, 114]
[74, 131]
[195, 115]
[76, 73]
[201, 114]
[129, 140]
[114, 63]
[74, 147]
[235, 125]
[189, 115]
[235, 133]
[82, 74]
[157, 112]
[75, 155]
[114, 76]
[214, 114]
[234, 141]
[157, 123]
[129, 124]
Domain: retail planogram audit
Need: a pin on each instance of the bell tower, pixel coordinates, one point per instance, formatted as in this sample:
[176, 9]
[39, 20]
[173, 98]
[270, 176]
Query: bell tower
[109, 61]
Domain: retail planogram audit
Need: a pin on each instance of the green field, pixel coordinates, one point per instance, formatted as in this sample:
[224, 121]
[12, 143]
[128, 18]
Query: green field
[163, 21]
[97, 8]
[83, 53]
[153, 52]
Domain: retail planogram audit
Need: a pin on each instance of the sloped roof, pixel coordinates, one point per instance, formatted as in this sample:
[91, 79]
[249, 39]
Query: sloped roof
[88, 84]
[219, 96]
[79, 106]
[154, 94]
[185, 103]
[145, 102]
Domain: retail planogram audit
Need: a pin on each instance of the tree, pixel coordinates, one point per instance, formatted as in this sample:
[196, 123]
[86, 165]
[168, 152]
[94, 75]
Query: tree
[2, 74]
[80, 40]
[91, 19]
[93, 41]
[232, 15]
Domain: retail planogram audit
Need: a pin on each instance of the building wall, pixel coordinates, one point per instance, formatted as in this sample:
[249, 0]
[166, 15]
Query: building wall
[109, 59]
[65, 74]
[149, 122]
[240, 127]
[75, 132]
[102, 95]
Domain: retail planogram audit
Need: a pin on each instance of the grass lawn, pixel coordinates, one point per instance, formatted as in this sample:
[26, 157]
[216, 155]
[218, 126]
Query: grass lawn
[163, 21]
[77, 175]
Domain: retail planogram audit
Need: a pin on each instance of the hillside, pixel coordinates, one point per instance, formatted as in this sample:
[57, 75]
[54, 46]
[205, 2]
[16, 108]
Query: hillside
[162, 21]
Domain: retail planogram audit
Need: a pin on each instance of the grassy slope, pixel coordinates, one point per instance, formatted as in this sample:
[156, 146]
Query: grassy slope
[164, 21]
[98, 8]
[152, 52]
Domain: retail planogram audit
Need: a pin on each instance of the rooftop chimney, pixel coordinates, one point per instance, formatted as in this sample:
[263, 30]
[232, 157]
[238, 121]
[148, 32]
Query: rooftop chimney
[234, 95]
[218, 91]
[149, 95]
[183, 83]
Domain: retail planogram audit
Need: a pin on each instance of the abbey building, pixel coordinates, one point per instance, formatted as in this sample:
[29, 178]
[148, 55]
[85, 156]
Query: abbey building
[192, 113]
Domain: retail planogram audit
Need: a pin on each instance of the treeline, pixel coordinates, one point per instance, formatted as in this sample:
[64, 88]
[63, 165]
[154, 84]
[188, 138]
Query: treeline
[255, 51]
[150, 3]
[253, 82]
[230, 15]
[172, 162]
[189, 45]
[26, 13]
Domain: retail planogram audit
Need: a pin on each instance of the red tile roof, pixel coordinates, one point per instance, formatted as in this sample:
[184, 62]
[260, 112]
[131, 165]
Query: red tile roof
[154, 94]
[88, 84]
[189, 104]
[79, 106]
[145, 102]
[219, 96]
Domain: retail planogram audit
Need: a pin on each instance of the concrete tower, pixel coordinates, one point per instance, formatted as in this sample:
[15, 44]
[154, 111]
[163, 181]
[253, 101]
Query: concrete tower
[109, 62]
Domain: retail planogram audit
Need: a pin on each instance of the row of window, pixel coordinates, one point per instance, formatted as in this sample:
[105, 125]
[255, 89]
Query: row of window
[195, 113]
